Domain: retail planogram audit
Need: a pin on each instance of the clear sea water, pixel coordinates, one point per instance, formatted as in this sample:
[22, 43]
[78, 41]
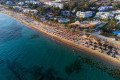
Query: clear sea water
[26, 54]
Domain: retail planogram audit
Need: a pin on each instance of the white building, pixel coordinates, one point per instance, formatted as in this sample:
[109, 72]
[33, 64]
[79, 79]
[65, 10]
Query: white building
[60, 5]
[104, 15]
[117, 17]
[65, 13]
[9, 3]
[104, 8]
[33, 2]
[29, 2]
[34, 11]
[58, 0]
[17, 7]
[21, 3]
[28, 10]
[73, 11]
[36, 2]
[84, 14]
[116, 12]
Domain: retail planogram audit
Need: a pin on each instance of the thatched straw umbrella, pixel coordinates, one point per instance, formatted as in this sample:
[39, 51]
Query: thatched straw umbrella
[86, 44]
[104, 46]
[100, 44]
[114, 55]
[108, 52]
[93, 47]
[100, 50]
[110, 47]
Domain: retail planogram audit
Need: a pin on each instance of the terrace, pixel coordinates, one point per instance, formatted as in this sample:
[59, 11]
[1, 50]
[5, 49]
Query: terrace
[86, 24]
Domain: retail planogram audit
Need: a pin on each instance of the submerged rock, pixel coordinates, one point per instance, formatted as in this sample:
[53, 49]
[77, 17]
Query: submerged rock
[34, 36]
[73, 67]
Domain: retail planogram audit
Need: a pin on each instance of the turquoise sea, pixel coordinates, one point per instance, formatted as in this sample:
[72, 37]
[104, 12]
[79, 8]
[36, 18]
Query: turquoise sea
[26, 54]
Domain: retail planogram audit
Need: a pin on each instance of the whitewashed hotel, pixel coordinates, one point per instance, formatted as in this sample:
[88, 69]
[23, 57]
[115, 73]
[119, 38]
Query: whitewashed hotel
[33, 2]
[9, 3]
[21, 3]
[117, 17]
[104, 15]
[84, 14]
[58, 0]
[28, 10]
[104, 8]
[60, 5]
[17, 7]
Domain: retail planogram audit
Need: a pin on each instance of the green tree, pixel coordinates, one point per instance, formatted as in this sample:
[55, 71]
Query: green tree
[90, 30]
[41, 10]
[112, 24]
[85, 30]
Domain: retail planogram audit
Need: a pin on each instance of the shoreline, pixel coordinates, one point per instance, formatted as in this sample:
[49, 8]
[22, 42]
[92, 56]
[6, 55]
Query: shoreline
[93, 53]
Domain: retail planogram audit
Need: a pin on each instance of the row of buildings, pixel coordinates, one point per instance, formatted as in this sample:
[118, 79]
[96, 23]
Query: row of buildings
[60, 5]
[23, 3]
[25, 10]
[50, 3]
[84, 14]
[102, 13]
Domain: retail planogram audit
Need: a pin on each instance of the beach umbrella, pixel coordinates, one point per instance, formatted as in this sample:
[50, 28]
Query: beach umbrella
[108, 52]
[116, 52]
[113, 55]
[100, 44]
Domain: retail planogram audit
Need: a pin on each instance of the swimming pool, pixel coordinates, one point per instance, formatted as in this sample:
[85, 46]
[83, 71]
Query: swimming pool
[116, 32]
[62, 19]
[87, 23]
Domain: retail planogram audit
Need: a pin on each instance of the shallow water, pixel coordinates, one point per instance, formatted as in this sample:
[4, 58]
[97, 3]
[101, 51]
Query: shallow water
[26, 54]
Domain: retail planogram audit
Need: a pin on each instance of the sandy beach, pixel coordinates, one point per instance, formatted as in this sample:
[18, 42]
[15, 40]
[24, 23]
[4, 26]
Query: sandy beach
[94, 53]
